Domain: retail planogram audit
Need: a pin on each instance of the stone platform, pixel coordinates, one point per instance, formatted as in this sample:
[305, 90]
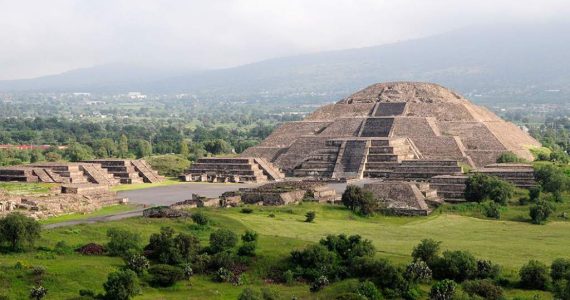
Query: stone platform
[232, 170]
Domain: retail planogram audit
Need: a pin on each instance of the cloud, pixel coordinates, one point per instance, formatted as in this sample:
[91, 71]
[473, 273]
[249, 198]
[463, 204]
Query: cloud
[44, 37]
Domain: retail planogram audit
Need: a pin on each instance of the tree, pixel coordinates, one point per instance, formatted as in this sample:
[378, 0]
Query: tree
[19, 231]
[481, 187]
[418, 271]
[456, 265]
[121, 285]
[310, 216]
[143, 148]
[540, 212]
[184, 150]
[170, 249]
[534, 276]
[560, 269]
[443, 290]
[123, 146]
[358, 200]
[484, 288]
[78, 152]
[249, 239]
[427, 250]
[552, 179]
[137, 263]
[368, 290]
[222, 239]
[165, 275]
[123, 242]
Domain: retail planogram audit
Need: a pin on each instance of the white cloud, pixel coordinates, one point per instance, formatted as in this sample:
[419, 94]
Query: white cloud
[43, 37]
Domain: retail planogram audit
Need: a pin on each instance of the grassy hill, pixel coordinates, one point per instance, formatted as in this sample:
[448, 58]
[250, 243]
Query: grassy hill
[508, 243]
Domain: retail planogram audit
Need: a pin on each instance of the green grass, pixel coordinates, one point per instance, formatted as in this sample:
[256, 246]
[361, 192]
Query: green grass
[508, 243]
[25, 188]
[139, 186]
[107, 210]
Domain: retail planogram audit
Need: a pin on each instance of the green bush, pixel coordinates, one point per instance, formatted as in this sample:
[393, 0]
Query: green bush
[249, 236]
[167, 248]
[19, 232]
[487, 269]
[222, 239]
[247, 210]
[250, 294]
[319, 284]
[368, 290]
[484, 288]
[121, 285]
[491, 209]
[247, 249]
[165, 275]
[418, 271]
[560, 269]
[456, 265]
[540, 211]
[427, 250]
[534, 276]
[443, 290]
[310, 216]
[551, 179]
[200, 218]
[348, 247]
[481, 187]
[123, 242]
[509, 157]
[359, 201]
[137, 263]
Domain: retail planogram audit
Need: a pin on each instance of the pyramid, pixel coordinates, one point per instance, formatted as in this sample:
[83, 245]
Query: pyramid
[401, 130]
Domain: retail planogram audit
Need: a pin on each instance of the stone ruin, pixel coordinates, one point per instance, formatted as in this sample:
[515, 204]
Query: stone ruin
[404, 198]
[105, 172]
[395, 131]
[72, 198]
[235, 170]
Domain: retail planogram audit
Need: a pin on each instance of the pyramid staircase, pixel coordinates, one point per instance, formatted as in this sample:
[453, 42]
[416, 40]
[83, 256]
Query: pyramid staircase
[232, 170]
[385, 155]
[321, 163]
[96, 174]
[146, 172]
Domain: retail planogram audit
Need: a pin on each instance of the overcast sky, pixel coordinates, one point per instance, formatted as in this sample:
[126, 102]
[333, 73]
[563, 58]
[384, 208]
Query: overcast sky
[47, 37]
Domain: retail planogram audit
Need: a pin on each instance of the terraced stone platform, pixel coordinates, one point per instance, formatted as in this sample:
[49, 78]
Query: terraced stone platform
[128, 171]
[232, 170]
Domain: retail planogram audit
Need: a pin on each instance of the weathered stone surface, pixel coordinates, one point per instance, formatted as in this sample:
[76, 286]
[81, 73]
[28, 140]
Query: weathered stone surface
[403, 198]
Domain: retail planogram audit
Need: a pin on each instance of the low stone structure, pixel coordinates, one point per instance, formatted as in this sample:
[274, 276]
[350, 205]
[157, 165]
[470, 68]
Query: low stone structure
[521, 175]
[233, 170]
[404, 198]
[288, 192]
[164, 212]
[129, 171]
[197, 201]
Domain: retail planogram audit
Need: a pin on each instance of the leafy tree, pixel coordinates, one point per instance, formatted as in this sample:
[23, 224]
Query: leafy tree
[310, 216]
[552, 179]
[534, 276]
[124, 146]
[484, 288]
[123, 242]
[121, 285]
[418, 271]
[481, 187]
[143, 148]
[560, 269]
[348, 247]
[427, 250]
[78, 152]
[368, 290]
[222, 239]
[487, 269]
[19, 231]
[456, 265]
[249, 239]
[443, 290]
[491, 209]
[184, 150]
[137, 263]
[170, 249]
[534, 193]
[358, 200]
[200, 218]
[540, 212]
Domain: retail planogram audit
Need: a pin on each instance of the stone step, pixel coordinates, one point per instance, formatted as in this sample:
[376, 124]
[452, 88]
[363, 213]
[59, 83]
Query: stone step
[382, 158]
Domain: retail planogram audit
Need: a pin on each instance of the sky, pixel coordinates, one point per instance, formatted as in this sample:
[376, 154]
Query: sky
[48, 37]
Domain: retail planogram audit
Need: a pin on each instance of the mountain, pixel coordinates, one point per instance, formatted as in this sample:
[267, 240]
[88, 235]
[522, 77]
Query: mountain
[507, 62]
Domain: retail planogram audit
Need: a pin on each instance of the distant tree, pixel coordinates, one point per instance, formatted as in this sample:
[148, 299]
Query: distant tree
[560, 269]
[540, 211]
[484, 288]
[443, 290]
[143, 148]
[168, 248]
[217, 146]
[534, 276]
[36, 156]
[358, 200]
[121, 285]
[427, 250]
[456, 265]
[418, 271]
[368, 290]
[53, 156]
[481, 187]
[123, 242]
[184, 150]
[19, 231]
[78, 152]
[222, 239]
[137, 263]
[124, 146]
[165, 275]
[106, 148]
[552, 180]
[310, 216]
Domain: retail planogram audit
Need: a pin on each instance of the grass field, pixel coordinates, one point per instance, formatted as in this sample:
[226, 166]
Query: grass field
[25, 188]
[107, 210]
[508, 243]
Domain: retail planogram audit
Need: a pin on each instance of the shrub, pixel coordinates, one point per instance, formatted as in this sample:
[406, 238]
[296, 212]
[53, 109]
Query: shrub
[222, 239]
[19, 231]
[314, 261]
[534, 276]
[560, 269]
[169, 165]
[348, 247]
[484, 288]
[137, 263]
[271, 215]
[562, 289]
[443, 290]
[38, 292]
[487, 269]
[61, 248]
[91, 249]
[418, 271]
[224, 275]
[288, 277]
[358, 200]
[319, 284]
[310, 216]
[246, 210]
[250, 294]
[123, 242]
[200, 218]
[456, 265]
[165, 275]
[170, 249]
[121, 285]
[534, 193]
[508, 157]
[200, 263]
[551, 179]
[269, 294]
[381, 271]
[188, 272]
[491, 209]
[247, 249]
[249, 236]
[427, 250]
[480, 187]
[368, 290]
[540, 212]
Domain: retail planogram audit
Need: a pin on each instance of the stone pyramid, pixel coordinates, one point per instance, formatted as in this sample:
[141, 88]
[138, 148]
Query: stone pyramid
[393, 128]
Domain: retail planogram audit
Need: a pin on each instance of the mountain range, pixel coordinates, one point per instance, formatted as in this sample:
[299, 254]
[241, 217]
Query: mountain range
[508, 62]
